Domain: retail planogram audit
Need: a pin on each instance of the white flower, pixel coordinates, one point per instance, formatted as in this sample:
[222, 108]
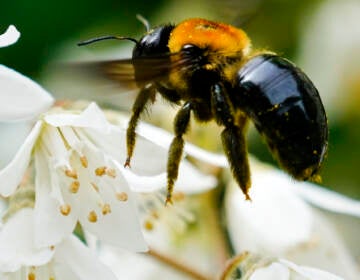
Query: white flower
[75, 179]
[20, 258]
[10, 36]
[285, 270]
[278, 222]
[78, 169]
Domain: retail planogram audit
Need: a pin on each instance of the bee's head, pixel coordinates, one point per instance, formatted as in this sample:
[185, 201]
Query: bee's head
[154, 42]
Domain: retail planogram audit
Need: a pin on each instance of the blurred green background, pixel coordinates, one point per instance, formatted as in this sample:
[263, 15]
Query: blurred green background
[319, 35]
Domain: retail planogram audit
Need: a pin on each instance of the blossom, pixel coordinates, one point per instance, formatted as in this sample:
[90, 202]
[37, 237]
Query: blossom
[279, 222]
[20, 258]
[10, 36]
[254, 267]
[79, 177]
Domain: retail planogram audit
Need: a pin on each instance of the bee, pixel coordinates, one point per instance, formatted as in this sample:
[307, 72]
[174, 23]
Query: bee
[209, 69]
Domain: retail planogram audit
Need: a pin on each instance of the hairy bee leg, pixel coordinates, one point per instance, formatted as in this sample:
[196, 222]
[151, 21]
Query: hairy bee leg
[233, 136]
[145, 94]
[181, 125]
[234, 144]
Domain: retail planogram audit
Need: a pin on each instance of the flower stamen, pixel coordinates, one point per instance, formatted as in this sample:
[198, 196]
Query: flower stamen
[74, 187]
[122, 196]
[111, 172]
[106, 209]
[92, 217]
[71, 174]
[96, 188]
[65, 209]
[100, 171]
[84, 161]
[31, 276]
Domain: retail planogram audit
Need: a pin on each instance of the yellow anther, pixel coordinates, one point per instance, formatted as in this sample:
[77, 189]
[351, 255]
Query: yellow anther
[31, 276]
[111, 172]
[74, 187]
[92, 217]
[148, 225]
[65, 209]
[52, 247]
[106, 209]
[100, 171]
[71, 174]
[122, 196]
[84, 161]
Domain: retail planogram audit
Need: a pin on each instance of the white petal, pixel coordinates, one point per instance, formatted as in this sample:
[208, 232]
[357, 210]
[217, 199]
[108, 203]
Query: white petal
[310, 273]
[50, 225]
[192, 181]
[12, 174]
[12, 136]
[275, 271]
[145, 184]
[91, 117]
[17, 243]
[276, 219]
[328, 199]
[10, 36]
[20, 97]
[149, 158]
[81, 261]
[121, 227]
[164, 138]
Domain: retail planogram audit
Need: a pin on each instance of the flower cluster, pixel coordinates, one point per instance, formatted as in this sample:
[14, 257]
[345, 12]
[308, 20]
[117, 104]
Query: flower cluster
[70, 210]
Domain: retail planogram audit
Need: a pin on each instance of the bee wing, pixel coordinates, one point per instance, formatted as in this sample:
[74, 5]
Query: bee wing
[134, 73]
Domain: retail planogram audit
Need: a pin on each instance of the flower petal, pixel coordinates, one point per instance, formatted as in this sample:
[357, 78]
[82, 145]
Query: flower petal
[80, 261]
[309, 273]
[192, 181]
[328, 199]
[164, 138]
[121, 225]
[91, 117]
[21, 98]
[12, 174]
[275, 221]
[50, 225]
[10, 36]
[274, 271]
[17, 243]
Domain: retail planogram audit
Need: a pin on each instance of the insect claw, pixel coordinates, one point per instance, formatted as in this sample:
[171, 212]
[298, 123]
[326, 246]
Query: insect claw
[247, 197]
[127, 163]
[168, 200]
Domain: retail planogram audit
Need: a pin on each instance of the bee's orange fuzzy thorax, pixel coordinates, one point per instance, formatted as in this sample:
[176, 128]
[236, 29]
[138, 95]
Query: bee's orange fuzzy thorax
[204, 33]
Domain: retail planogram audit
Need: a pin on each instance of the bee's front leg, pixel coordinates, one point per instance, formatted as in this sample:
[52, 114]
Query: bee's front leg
[181, 125]
[145, 95]
[233, 136]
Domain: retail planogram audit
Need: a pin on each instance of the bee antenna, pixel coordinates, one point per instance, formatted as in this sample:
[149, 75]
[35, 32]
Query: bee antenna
[93, 40]
[144, 21]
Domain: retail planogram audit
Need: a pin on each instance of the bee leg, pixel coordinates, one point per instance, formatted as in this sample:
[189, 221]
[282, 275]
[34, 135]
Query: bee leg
[181, 125]
[145, 94]
[233, 136]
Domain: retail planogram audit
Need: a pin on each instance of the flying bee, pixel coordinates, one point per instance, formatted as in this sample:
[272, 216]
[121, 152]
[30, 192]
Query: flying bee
[210, 71]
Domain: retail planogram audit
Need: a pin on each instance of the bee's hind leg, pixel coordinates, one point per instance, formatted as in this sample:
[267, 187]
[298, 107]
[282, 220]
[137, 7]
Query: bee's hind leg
[233, 136]
[181, 125]
[145, 95]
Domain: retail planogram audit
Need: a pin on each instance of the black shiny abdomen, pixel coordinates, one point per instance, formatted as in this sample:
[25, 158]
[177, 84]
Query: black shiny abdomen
[286, 109]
